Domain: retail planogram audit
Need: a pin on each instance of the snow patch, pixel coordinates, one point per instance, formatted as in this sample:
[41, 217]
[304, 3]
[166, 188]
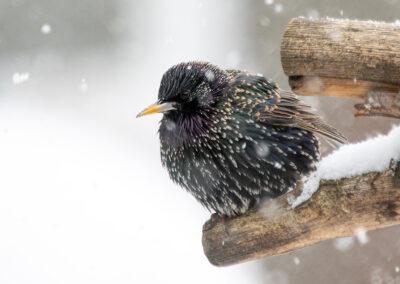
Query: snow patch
[269, 2]
[372, 155]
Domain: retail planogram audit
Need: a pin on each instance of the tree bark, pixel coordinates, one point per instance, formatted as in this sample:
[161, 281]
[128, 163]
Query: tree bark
[343, 58]
[337, 209]
[364, 50]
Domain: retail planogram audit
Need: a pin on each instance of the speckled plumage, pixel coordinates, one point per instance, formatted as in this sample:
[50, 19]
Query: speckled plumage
[235, 137]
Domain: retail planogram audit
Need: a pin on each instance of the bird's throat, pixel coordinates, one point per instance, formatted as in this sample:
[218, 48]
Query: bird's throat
[179, 129]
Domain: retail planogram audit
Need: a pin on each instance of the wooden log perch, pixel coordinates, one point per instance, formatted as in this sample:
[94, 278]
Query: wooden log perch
[337, 209]
[344, 58]
[340, 58]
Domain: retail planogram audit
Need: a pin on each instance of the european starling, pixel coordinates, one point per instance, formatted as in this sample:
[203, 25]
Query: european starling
[231, 138]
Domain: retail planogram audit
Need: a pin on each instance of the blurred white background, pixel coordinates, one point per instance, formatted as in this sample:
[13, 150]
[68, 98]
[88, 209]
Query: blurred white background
[83, 197]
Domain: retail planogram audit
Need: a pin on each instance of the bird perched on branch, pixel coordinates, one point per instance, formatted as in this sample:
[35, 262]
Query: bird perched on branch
[231, 138]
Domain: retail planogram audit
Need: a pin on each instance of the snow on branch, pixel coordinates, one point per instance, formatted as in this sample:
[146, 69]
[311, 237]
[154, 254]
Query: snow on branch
[357, 186]
[373, 155]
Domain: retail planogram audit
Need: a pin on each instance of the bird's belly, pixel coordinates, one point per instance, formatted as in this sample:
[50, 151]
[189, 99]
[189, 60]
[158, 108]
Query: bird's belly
[230, 180]
[217, 182]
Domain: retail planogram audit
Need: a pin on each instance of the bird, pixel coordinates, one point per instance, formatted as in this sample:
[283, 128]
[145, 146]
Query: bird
[232, 138]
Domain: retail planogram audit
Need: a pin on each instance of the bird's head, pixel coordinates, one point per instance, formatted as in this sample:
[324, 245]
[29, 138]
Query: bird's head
[188, 89]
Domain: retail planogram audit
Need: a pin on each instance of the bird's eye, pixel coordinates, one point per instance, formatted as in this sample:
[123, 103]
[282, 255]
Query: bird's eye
[185, 95]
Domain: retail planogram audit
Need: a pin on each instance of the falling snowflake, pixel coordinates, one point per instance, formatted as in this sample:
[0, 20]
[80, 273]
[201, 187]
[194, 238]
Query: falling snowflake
[362, 236]
[210, 75]
[313, 14]
[262, 149]
[278, 8]
[233, 58]
[170, 125]
[45, 29]
[296, 260]
[343, 244]
[265, 21]
[84, 85]
[19, 78]
[336, 35]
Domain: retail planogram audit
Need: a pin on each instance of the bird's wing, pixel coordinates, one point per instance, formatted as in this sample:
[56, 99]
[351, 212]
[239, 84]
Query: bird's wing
[266, 103]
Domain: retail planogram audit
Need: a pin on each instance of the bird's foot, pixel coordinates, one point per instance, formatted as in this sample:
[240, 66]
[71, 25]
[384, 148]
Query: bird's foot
[224, 223]
[215, 218]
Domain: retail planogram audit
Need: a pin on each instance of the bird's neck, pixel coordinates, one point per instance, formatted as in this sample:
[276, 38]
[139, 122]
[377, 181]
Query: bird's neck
[185, 129]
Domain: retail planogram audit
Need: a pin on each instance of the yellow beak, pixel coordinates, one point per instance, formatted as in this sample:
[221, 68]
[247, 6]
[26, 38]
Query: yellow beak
[156, 108]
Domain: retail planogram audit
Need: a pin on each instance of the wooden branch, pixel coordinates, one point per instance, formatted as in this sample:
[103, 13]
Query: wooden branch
[343, 58]
[337, 209]
[376, 103]
[342, 49]
[337, 87]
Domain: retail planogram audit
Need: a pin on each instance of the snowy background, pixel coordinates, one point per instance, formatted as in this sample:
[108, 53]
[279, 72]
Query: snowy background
[83, 197]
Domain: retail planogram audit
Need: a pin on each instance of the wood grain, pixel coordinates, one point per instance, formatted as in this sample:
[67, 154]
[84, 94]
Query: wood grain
[343, 58]
[337, 209]
[346, 49]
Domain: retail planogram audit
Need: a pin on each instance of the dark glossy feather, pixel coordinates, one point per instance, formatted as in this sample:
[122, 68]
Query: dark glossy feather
[265, 102]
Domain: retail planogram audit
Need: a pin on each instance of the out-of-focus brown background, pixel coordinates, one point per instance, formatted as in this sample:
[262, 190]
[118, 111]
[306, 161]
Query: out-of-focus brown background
[83, 197]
